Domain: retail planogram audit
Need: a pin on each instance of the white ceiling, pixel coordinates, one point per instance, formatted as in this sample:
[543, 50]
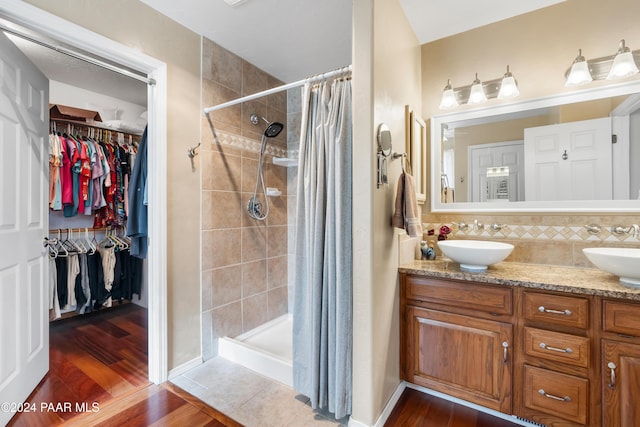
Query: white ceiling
[289, 39]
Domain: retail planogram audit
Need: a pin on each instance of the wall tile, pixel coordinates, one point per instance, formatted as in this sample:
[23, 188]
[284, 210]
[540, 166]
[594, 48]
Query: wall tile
[277, 241]
[254, 311]
[278, 302]
[254, 80]
[220, 171]
[221, 248]
[221, 209]
[227, 320]
[277, 210]
[254, 277]
[254, 243]
[226, 285]
[277, 275]
[222, 66]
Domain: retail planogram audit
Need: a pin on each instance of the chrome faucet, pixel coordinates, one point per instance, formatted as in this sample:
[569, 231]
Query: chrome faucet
[497, 227]
[461, 225]
[633, 229]
[477, 225]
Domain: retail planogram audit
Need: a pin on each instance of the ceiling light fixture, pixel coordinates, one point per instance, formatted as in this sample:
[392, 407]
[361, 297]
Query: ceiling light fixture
[508, 86]
[622, 64]
[479, 92]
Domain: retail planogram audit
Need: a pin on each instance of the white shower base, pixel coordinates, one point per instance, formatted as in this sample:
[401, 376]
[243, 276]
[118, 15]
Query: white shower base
[266, 349]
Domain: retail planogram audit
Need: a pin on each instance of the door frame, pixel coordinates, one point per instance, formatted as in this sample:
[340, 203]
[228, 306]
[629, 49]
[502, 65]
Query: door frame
[47, 24]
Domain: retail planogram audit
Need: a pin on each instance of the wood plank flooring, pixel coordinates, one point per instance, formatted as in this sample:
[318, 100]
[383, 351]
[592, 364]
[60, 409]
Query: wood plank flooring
[98, 376]
[417, 409]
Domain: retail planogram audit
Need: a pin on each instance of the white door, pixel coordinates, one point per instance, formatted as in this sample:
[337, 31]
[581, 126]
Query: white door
[569, 161]
[24, 221]
[483, 157]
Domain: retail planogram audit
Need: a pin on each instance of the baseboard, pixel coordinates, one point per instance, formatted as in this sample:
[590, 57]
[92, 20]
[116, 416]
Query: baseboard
[179, 370]
[391, 403]
[511, 418]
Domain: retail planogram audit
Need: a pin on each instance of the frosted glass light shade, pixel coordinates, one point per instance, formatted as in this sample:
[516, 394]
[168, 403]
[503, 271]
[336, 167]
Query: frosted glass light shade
[623, 66]
[477, 95]
[448, 100]
[508, 88]
[579, 74]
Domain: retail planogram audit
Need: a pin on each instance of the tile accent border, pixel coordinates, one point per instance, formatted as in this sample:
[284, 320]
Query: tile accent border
[534, 232]
[247, 144]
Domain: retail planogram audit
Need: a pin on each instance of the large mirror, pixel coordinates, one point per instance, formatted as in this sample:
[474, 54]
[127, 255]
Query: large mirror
[576, 152]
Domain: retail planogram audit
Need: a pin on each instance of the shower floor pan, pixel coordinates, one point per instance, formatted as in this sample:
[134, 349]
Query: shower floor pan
[266, 349]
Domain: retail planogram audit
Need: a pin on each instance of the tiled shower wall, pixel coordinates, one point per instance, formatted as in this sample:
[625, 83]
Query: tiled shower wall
[244, 261]
[556, 239]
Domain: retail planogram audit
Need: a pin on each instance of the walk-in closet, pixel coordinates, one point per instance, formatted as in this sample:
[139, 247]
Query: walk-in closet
[97, 240]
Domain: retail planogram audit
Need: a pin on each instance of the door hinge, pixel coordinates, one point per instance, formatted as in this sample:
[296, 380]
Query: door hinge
[614, 138]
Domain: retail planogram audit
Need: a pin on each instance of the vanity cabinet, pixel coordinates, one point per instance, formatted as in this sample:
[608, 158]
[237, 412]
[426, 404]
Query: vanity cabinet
[457, 338]
[620, 364]
[556, 360]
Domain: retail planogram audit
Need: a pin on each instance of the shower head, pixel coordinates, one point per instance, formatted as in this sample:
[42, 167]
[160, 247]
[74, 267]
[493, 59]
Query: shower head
[273, 128]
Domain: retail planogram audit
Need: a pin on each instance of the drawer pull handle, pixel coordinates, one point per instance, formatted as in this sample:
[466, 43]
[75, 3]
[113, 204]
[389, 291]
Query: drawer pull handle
[542, 309]
[551, 396]
[559, 350]
[613, 367]
[505, 346]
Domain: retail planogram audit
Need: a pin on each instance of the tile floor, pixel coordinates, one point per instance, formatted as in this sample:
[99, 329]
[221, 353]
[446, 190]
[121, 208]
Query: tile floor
[250, 398]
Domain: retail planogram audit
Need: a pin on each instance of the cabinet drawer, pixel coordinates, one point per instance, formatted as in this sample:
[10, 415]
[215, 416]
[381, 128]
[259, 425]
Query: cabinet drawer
[621, 318]
[556, 309]
[556, 346]
[458, 293]
[561, 395]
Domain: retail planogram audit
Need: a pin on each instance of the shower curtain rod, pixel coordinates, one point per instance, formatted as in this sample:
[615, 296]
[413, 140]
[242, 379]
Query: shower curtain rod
[278, 89]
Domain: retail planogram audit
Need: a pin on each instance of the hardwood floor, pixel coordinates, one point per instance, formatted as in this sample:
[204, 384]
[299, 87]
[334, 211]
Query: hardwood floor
[417, 409]
[98, 376]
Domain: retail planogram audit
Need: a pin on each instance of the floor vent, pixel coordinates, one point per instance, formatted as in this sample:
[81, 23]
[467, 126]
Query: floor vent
[533, 423]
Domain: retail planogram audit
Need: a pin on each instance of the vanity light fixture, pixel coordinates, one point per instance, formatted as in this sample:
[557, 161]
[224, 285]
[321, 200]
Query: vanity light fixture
[448, 97]
[579, 73]
[477, 95]
[508, 86]
[622, 64]
[479, 91]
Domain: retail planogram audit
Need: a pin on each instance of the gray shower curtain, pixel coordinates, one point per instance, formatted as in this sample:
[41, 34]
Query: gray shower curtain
[322, 313]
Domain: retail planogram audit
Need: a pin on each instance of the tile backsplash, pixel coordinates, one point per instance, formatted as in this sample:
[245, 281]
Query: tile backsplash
[540, 239]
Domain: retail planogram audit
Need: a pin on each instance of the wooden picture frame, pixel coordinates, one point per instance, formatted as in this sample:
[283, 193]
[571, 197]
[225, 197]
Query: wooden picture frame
[416, 146]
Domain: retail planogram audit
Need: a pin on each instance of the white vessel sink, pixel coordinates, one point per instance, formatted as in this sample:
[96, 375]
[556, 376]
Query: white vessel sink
[475, 255]
[623, 262]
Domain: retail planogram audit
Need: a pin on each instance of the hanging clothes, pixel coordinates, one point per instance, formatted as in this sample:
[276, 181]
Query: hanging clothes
[137, 220]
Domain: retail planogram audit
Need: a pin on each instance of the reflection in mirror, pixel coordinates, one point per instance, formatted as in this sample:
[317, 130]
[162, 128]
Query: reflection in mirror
[578, 152]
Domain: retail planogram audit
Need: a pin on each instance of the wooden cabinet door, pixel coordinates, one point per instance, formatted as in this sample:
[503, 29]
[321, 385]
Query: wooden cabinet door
[621, 384]
[461, 356]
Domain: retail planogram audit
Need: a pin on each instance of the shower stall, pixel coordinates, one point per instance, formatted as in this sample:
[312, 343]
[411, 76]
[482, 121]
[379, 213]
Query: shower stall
[248, 208]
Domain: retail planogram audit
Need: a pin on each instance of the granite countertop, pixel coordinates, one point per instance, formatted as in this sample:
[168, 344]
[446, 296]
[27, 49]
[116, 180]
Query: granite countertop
[574, 280]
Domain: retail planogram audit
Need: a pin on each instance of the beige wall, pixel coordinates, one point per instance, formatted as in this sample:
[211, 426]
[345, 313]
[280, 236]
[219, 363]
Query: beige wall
[134, 24]
[386, 78]
[244, 261]
[539, 47]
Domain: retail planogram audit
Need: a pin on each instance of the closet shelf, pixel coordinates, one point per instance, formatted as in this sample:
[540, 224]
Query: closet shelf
[285, 161]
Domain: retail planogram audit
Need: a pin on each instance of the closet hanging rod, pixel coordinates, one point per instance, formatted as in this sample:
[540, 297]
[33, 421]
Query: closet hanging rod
[278, 89]
[80, 230]
[95, 126]
[78, 55]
